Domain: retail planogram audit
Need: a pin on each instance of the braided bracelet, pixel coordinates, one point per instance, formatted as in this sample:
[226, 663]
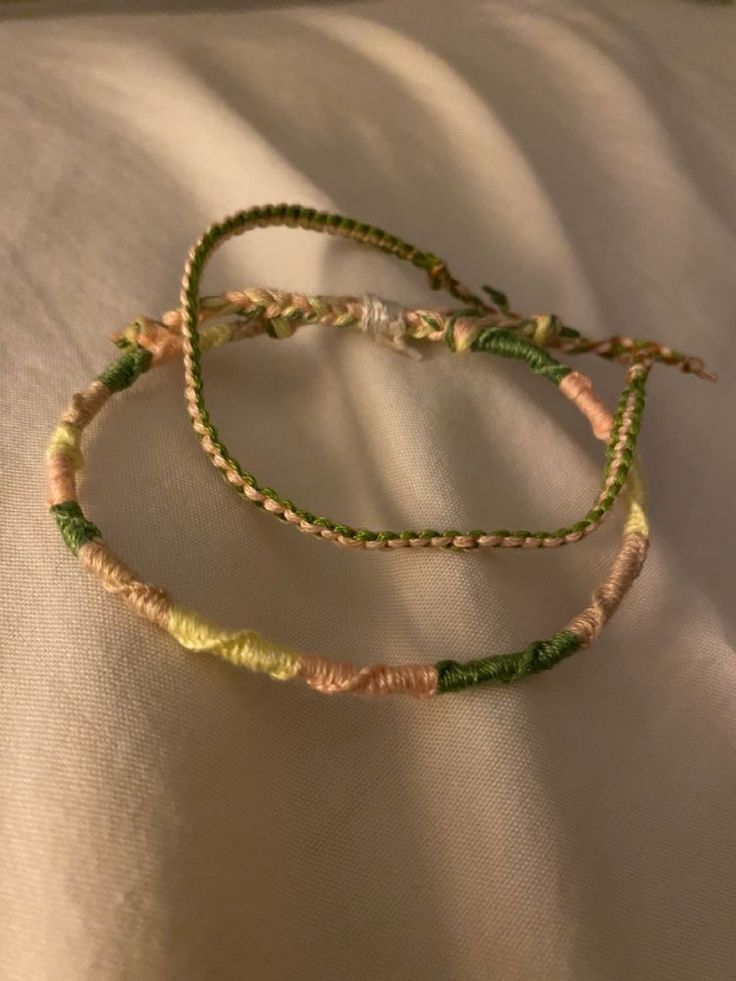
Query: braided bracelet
[480, 326]
[162, 341]
[247, 648]
[149, 343]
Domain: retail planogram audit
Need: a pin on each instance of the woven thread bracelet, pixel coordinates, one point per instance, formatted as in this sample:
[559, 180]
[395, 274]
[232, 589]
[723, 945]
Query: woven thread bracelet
[479, 326]
[162, 340]
[149, 343]
[246, 647]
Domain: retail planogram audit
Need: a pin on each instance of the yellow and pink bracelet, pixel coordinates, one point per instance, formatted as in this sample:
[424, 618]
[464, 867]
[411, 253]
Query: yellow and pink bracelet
[479, 325]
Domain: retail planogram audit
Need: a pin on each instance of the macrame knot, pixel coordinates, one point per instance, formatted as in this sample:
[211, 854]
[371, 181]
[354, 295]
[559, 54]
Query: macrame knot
[384, 321]
[542, 328]
[461, 329]
[160, 341]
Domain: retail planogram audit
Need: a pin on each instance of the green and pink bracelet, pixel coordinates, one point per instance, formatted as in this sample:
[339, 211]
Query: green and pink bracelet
[479, 325]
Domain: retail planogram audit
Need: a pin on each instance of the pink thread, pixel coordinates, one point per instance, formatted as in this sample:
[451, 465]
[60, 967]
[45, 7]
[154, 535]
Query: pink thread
[163, 344]
[62, 481]
[606, 599]
[331, 677]
[579, 389]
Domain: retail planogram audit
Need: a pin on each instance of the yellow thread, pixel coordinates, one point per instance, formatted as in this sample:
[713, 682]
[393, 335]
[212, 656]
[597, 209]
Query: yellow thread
[133, 332]
[65, 441]
[214, 335]
[215, 303]
[637, 519]
[464, 333]
[129, 334]
[545, 326]
[424, 323]
[282, 327]
[245, 648]
[319, 307]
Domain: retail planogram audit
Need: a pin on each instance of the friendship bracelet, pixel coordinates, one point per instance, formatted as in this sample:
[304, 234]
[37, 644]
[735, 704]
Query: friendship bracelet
[246, 647]
[273, 312]
[480, 326]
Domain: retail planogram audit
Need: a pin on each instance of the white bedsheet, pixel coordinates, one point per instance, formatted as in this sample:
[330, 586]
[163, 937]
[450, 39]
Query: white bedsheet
[166, 816]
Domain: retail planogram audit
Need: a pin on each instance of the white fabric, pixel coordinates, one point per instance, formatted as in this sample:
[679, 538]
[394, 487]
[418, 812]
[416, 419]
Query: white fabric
[165, 816]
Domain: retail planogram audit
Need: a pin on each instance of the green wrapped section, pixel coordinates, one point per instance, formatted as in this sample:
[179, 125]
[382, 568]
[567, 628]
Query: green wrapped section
[503, 668]
[129, 366]
[74, 527]
[510, 345]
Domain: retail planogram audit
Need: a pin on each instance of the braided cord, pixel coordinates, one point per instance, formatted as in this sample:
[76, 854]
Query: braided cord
[462, 330]
[620, 454]
[246, 648]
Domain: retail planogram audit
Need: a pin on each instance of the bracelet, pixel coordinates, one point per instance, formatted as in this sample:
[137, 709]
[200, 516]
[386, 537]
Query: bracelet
[246, 647]
[480, 326]
[267, 311]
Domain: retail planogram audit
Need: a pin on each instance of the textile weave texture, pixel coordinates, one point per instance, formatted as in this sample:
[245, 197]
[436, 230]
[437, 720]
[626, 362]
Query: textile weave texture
[165, 817]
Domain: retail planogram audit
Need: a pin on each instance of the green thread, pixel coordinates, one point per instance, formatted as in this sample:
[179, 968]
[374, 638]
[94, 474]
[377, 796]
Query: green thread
[124, 371]
[509, 345]
[492, 340]
[74, 527]
[503, 668]
[452, 320]
[499, 299]
[627, 449]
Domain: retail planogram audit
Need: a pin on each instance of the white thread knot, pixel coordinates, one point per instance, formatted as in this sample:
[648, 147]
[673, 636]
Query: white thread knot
[384, 321]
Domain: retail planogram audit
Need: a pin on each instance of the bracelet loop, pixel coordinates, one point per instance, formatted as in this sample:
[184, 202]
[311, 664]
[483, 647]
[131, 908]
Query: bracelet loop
[246, 647]
[479, 326]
